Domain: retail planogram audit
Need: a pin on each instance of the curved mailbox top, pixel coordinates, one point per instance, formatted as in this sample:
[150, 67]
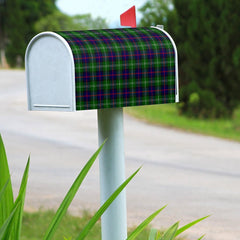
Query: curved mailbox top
[105, 68]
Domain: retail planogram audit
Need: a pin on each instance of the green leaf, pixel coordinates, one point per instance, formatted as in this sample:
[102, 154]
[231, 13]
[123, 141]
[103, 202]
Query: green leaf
[103, 208]
[201, 237]
[158, 235]
[67, 238]
[6, 204]
[17, 221]
[170, 233]
[2, 192]
[144, 224]
[6, 228]
[152, 234]
[70, 195]
[184, 228]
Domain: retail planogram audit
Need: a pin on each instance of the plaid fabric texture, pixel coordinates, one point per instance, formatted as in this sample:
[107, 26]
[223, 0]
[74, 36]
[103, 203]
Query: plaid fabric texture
[122, 67]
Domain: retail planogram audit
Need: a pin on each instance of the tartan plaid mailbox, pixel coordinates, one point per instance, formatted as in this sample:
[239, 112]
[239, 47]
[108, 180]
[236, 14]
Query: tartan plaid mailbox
[79, 70]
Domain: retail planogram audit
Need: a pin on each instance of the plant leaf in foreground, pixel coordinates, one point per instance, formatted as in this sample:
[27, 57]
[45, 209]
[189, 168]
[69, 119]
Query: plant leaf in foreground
[70, 195]
[153, 234]
[144, 224]
[2, 192]
[103, 208]
[17, 220]
[187, 226]
[6, 204]
[6, 227]
[170, 233]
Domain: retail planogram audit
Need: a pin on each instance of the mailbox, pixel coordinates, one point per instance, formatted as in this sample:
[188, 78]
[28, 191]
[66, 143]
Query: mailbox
[94, 69]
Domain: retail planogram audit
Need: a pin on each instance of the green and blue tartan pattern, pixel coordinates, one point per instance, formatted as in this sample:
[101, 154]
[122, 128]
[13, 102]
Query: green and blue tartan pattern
[122, 67]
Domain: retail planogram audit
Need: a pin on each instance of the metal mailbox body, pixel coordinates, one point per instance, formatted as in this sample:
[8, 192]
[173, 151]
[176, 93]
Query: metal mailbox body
[80, 70]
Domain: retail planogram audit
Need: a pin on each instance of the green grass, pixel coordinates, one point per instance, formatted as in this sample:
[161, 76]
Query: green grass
[167, 115]
[35, 225]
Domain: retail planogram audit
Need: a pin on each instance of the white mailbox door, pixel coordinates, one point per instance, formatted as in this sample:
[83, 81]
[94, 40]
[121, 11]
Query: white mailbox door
[50, 74]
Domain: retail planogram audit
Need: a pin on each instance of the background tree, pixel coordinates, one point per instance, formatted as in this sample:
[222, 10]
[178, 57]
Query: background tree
[20, 17]
[159, 12]
[207, 36]
[89, 22]
[2, 32]
[209, 50]
[55, 22]
[20, 20]
[59, 21]
[14, 33]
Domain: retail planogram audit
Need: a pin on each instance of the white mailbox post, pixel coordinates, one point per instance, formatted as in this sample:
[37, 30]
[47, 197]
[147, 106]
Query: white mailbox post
[104, 70]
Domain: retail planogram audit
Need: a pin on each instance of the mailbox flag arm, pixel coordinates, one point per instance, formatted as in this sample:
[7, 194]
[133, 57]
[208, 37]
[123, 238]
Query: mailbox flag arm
[128, 18]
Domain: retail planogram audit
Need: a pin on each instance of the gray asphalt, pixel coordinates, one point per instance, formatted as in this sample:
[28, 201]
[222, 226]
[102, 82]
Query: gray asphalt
[195, 175]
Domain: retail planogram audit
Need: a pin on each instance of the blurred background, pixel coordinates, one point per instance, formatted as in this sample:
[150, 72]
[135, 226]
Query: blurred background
[206, 33]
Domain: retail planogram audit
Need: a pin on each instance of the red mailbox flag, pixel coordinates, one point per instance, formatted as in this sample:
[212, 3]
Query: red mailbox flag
[128, 18]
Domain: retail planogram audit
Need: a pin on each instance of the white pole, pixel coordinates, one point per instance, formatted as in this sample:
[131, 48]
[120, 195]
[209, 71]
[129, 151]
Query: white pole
[112, 172]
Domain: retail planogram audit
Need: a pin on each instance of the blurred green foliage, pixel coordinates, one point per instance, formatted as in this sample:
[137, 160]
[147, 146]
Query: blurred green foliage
[18, 25]
[20, 20]
[207, 35]
[58, 21]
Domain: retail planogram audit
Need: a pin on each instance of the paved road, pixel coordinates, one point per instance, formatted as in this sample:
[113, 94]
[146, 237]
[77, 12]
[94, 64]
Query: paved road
[195, 175]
